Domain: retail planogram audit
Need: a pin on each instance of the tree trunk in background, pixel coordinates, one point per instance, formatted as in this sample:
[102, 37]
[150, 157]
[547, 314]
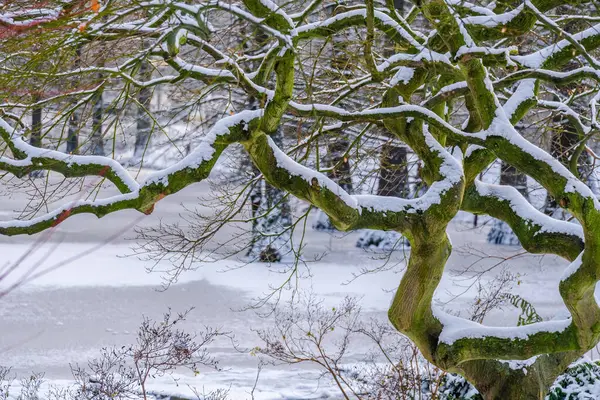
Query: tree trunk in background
[337, 146]
[272, 219]
[337, 158]
[399, 4]
[562, 146]
[256, 199]
[501, 232]
[393, 181]
[36, 126]
[271, 213]
[339, 172]
[74, 118]
[97, 141]
[35, 139]
[509, 175]
[393, 177]
[419, 187]
[144, 122]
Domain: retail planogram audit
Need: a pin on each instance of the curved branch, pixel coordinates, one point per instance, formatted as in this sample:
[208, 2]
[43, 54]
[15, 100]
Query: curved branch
[537, 232]
[558, 53]
[358, 17]
[193, 168]
[462, 340]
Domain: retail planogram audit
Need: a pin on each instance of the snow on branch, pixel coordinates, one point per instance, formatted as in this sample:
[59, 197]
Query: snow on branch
[463, 340]
[490, 19]
[552, 53]
[458, 58]
[357, 211]
[32, 158]
[355, 17]
[536, 162]
[526, 211]
[537, 232]
[193, 168]
[524, 93]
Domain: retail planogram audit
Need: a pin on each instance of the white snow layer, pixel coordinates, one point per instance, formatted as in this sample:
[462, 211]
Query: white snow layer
[205, 150]
[456, 328]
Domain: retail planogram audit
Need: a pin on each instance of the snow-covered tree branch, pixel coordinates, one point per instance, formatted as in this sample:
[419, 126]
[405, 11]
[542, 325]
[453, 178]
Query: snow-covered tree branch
[456, 54]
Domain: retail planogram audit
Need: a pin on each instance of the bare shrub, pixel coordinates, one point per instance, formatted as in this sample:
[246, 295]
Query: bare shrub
[310, 332]
[123, 372]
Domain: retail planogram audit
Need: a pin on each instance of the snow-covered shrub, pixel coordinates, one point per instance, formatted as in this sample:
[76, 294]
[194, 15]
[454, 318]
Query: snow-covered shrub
[381, 240]
[502, 234]
[455, 387]
[5, 382]
[30, 387]
[322, 223]
[581, 381]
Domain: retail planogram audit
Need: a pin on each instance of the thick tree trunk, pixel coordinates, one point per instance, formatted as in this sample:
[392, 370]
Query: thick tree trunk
[503, 381]
[144, 122]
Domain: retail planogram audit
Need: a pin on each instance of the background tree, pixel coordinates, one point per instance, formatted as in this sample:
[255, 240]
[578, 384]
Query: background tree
[337, 160]
[73, 129]
[144, 120]
[393, 177]
[393, 181]
[271, 214]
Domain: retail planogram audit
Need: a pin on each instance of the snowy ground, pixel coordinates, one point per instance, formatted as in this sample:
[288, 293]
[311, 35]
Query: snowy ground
[67, 315]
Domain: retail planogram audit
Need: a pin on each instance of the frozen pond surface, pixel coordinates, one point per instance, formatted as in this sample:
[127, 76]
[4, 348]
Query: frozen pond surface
[67, 315]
